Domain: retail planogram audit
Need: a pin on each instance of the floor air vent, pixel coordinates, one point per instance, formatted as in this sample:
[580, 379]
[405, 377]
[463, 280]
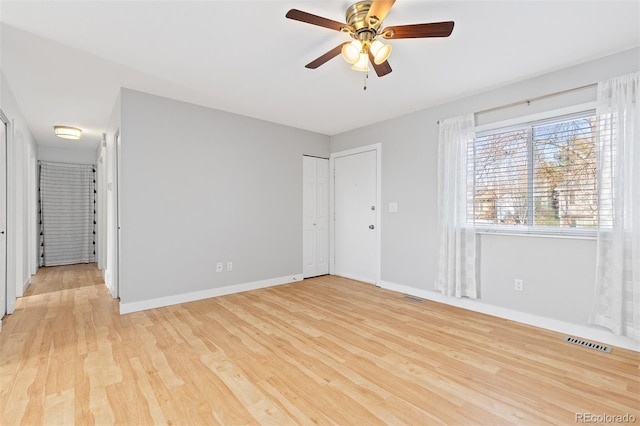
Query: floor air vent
[413, 298]
[590, 345]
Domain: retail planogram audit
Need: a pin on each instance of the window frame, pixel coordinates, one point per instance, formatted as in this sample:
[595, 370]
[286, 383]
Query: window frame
[524, 122]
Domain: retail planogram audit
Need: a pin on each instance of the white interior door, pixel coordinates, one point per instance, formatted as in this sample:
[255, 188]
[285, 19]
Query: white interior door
[3, 218]
[315, 221]
[356, 216]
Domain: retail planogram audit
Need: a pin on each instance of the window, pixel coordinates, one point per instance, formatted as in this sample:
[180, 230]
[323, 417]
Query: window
[537, 177]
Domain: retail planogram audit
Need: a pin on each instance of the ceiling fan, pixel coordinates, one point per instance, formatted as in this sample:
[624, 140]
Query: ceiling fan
[364, 20]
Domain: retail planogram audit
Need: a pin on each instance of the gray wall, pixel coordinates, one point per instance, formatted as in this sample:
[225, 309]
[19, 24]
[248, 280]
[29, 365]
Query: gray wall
[558, 273]
[201, 186]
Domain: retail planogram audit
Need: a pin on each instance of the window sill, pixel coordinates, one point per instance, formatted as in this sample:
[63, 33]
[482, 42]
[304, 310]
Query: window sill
[573, 235]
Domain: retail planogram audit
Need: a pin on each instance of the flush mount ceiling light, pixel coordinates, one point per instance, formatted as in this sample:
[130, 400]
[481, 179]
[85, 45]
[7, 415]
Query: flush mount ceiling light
[364, 26]
[67, 132]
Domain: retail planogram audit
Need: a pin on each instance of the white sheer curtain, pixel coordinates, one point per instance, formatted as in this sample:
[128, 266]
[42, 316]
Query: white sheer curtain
[617, 292]
[457, 238]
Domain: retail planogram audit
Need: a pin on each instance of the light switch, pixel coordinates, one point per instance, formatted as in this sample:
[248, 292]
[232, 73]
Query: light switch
[393, 207]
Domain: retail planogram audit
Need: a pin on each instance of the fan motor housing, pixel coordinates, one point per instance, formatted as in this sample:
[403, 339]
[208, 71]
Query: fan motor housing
[356, 15]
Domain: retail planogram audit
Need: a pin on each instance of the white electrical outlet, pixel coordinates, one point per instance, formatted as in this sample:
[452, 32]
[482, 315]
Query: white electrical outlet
[219, 267]
[229, 266]
[518, 285]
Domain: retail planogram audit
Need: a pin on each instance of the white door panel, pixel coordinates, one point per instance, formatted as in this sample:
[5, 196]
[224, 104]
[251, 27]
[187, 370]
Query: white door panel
[3, 219]
[308, 218]
[322, 216]
[356, 213]
[315, 221]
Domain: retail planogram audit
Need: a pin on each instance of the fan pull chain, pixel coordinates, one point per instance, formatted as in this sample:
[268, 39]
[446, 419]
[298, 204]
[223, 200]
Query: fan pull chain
[366, 76]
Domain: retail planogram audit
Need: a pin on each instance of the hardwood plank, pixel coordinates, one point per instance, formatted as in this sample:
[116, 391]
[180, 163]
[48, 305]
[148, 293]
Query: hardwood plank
[326, 350]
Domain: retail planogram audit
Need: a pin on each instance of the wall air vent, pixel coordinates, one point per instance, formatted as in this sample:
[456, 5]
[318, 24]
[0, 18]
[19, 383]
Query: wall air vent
[586, 344]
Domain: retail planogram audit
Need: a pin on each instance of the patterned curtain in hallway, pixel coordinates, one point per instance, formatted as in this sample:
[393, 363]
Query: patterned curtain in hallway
[67, 213]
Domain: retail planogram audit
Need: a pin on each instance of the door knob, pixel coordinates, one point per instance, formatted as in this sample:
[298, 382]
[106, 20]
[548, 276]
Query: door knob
[371, 227]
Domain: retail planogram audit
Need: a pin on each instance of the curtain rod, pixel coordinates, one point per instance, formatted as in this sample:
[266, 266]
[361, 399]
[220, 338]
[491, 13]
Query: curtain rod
[529, 100]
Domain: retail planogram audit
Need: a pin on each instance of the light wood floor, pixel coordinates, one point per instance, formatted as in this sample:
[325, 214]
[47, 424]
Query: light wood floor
[322, 351]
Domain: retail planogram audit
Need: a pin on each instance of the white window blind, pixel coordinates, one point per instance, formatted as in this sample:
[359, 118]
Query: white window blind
[538, 176]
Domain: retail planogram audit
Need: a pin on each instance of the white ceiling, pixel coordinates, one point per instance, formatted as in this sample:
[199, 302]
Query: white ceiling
[66, 60]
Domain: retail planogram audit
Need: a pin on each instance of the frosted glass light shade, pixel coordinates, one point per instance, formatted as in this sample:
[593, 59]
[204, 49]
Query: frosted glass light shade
[380, 51]
[67, 132]
[362, 64]
[351, 51]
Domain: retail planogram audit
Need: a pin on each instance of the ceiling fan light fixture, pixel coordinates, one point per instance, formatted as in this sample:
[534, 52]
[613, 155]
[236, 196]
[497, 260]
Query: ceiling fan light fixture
[380, 51]
[67, 132]
[351, 51]
[363, 23]
[363, 63]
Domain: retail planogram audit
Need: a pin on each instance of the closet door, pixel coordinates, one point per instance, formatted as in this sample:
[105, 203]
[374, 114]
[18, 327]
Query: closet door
[315, 220]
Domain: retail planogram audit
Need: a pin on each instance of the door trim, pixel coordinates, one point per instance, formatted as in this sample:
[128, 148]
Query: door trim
[117, 142]
[9, 270]
[377, 147]
[4, 309]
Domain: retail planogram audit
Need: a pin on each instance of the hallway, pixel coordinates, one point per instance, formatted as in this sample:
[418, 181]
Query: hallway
[54, 331]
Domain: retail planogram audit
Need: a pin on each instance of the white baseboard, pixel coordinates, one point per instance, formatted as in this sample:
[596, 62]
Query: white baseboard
[584, 331]
[126, 308]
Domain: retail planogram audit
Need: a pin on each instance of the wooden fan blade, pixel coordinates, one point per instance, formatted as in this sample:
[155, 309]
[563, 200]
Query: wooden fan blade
[326, 57]
[298, 15]
[382, 69]
[434, 29]
[379, 10]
